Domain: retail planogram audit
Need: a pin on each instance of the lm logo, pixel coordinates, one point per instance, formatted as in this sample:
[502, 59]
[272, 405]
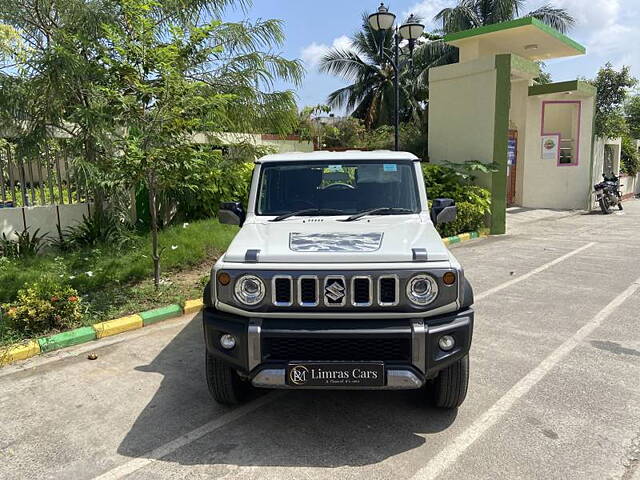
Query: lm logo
[299, 374]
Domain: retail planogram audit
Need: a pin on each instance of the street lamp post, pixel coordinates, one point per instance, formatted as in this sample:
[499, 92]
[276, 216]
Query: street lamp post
[383, 20]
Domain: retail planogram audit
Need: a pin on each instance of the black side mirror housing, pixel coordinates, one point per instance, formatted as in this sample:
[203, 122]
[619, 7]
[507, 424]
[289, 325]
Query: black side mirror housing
[443, 210]
[232, 213]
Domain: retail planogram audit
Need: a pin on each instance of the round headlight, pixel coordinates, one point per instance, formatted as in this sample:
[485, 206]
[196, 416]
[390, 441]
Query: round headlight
[422, 289]
[249, 290]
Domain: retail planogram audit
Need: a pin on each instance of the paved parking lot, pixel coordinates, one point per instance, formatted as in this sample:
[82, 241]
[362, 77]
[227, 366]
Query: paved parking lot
[554, 392]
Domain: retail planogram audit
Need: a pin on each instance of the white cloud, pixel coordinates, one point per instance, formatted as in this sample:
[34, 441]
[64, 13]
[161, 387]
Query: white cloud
[591, 15]
[426, 10]
[608, 28]
[312, 53]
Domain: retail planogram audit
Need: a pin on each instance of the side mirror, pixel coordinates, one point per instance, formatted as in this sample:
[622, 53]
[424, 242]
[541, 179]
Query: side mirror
[443, 210]
[232, 213]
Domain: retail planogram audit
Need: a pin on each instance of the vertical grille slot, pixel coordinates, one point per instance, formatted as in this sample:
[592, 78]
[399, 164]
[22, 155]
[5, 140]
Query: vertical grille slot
[308, 291]
[282, 291]
[361, 291]
[388, 291]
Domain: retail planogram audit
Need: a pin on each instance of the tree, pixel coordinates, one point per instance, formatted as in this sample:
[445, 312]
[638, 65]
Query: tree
[169, 81]
[629, 156]
[308, 128]
[370, 96]
[468, 14]
[632, 111]
[131, 81]
[612, 88]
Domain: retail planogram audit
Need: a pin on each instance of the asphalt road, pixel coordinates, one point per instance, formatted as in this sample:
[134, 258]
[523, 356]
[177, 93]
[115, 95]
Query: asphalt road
[554, 392]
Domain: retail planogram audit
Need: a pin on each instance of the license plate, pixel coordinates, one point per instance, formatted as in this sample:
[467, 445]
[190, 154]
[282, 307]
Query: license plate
[335, 374]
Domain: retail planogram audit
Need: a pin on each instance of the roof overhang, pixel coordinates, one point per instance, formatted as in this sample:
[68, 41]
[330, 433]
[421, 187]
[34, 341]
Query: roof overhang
[576, 87]
[526, 37]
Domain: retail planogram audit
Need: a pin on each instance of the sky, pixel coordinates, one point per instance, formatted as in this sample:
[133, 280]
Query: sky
[609, 29]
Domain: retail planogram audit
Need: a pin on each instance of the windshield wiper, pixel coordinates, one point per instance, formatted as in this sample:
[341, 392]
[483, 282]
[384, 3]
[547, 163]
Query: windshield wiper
[309, 211]
[377, 211]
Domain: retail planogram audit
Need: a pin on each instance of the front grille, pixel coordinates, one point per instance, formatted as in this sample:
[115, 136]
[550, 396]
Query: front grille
[388, 290]
[309, 291]
[282, 291]
[361, 291]
[338, 349]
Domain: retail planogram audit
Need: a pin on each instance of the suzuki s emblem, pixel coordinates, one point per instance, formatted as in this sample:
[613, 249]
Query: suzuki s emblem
[298, 375]
[334, 291]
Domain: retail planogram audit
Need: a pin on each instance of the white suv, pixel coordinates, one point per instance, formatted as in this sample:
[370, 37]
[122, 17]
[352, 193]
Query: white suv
[338, 279]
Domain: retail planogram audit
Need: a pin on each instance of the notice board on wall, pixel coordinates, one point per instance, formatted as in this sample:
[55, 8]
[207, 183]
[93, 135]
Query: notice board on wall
[550, 145]
[512, 147]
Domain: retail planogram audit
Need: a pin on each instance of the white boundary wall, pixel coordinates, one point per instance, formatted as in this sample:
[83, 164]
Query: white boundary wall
[46, 218]
[630, 186]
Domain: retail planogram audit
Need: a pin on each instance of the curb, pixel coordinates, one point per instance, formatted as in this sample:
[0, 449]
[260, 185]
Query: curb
[118, 325]
[19, 351]
[464, 237]
[67, 339]
[31, 348]
[156, 315]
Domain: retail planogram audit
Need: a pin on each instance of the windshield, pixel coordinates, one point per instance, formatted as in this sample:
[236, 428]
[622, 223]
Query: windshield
[335, 189]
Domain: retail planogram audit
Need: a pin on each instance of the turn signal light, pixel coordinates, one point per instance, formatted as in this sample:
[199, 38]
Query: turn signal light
[224, 278]
[449, 278]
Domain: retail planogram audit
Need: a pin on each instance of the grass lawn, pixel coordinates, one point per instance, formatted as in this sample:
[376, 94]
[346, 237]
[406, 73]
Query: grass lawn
[114, 283]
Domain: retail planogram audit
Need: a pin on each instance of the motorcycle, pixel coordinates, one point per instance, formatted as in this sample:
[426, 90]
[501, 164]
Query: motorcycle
[608, 193]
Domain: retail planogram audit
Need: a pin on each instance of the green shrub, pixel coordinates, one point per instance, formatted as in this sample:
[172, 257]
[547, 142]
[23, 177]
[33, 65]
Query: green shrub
[473, 202]
[223, 183]
[25, 244]
[629, 157]
[43, 306]
[470, 218]
[92, 231]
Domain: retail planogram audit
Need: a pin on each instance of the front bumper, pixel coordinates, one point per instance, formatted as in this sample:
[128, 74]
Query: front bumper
[407, 346]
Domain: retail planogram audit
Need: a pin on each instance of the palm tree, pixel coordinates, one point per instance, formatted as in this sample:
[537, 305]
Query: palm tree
[370, 96]
[469, 14]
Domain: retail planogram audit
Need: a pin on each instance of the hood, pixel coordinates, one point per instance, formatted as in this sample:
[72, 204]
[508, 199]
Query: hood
[327, 240]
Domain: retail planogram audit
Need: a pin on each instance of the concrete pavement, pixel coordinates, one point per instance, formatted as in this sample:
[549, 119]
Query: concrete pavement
[554, 392]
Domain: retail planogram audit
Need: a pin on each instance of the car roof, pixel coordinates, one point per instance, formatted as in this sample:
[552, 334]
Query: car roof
[324, 155]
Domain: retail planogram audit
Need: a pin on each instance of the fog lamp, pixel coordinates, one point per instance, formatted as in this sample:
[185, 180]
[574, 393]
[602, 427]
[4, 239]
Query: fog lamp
[446, 342]
[227, 341]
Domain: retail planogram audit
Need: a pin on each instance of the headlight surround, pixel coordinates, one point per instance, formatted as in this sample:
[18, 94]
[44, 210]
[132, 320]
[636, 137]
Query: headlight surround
[422, 289]
[249, 290]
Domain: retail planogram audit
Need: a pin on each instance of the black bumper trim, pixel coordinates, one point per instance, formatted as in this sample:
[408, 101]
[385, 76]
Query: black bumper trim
[458, 324]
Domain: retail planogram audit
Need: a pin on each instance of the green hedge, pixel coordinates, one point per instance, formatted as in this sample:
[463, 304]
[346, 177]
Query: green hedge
[473, 202]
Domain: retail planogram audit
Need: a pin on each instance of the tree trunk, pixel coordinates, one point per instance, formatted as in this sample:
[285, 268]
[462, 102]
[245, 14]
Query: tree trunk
[98, 194]
[153, 210]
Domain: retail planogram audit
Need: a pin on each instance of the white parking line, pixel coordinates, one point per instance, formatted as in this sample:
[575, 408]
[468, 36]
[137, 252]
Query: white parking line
[168, 448]
[447, 456]
[541, 268]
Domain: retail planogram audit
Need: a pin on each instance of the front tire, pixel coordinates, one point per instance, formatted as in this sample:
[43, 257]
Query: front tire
[620, 207]
[604, 204]
[225, 385]
[449, 389]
